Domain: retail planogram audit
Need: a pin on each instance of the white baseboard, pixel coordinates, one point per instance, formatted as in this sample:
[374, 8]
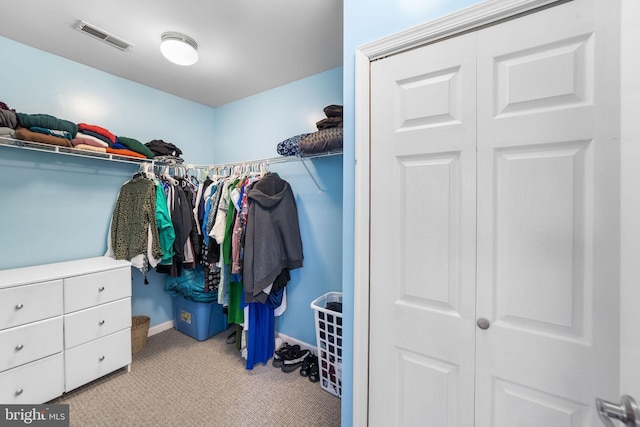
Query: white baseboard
[291, 341]
[160, 328]
[280, 337]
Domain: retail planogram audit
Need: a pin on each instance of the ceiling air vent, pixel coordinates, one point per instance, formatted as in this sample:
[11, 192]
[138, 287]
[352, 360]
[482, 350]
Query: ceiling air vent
[100, 34]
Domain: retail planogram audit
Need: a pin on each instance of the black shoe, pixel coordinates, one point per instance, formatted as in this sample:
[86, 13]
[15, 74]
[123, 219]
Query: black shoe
[314, 372]
[231, 339]
[304, 369]
[283, 353]
[297, 358]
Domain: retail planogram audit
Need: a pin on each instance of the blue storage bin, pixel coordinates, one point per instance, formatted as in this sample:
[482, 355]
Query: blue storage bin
[199, 320]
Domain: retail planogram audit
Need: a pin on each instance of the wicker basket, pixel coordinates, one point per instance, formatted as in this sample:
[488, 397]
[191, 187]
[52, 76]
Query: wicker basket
[139, 333]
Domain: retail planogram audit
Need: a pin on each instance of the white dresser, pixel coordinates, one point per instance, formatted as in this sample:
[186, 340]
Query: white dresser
[62, 325]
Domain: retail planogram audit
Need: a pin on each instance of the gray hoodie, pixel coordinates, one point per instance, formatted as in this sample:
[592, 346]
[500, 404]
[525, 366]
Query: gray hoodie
[272, 240]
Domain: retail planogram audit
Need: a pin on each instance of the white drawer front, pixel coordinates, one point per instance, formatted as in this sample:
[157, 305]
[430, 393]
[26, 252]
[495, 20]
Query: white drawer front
[34, 383]
[95, 359]
[24, 344]
[29, 303]
[93, 323]
[98, 288]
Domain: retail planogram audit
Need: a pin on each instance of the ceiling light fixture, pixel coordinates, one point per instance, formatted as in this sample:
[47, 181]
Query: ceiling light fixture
[179, 48]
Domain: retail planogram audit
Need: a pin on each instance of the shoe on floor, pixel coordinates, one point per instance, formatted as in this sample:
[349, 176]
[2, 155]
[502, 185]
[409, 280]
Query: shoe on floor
[296, 360]
[314, 372]
[231, 339]
[304, 369]
[284, 352]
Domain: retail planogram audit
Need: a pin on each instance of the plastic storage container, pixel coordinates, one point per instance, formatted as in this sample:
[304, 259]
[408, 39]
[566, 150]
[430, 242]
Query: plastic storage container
[329, 340]
[199, 320]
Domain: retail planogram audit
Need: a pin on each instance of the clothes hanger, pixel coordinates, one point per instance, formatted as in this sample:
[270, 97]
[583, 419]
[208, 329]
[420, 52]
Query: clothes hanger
[166, 176]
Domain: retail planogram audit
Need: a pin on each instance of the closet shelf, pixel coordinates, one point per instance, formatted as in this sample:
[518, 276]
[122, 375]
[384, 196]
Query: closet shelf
[37, 146]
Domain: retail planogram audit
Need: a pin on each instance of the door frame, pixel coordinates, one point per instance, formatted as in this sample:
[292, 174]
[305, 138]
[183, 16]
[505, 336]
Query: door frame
[473, 18]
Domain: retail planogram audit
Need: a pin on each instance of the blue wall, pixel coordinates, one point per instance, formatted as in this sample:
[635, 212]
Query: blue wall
[251, 129]
[366, 21]
[58, 208]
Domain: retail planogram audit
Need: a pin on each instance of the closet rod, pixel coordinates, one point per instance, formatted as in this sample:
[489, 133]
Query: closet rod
[270, 160]
[267, 160]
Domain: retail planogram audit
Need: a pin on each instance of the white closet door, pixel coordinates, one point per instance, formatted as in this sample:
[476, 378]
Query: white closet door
[423, 160]
[548, 220]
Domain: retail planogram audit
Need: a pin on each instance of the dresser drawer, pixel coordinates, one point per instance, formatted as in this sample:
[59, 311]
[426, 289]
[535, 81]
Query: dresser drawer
[92, 289]
[35, 383]
[95, 359]
[93, 323]
[29, 303]
[24, 344]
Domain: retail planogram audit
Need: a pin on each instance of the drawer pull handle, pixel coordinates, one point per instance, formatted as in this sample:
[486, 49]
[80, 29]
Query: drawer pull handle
[101, 358]
[101, 288]
[19, 306]
[19, 347]
[101, 322]
[19, 392]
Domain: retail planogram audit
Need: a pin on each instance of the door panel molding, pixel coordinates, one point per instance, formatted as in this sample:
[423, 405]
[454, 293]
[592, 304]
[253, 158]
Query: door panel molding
[471, 18]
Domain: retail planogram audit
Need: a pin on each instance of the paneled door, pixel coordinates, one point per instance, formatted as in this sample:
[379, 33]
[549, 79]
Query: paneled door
[494, 240]
[423, 236]
[548, 220]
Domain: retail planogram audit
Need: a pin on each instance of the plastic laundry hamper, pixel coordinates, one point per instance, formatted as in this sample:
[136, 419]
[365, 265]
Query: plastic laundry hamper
[329, 340]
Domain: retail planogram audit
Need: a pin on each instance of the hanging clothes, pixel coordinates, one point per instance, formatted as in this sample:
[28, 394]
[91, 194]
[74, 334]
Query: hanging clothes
[272, 242]
[134, 231]
[166, 232]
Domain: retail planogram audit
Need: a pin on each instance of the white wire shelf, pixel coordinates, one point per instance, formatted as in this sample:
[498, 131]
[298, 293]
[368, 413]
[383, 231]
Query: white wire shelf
[48, 148]
[37, 146]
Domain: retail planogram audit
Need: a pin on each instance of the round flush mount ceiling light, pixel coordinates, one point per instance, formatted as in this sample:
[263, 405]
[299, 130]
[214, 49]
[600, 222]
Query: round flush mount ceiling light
[179, 48]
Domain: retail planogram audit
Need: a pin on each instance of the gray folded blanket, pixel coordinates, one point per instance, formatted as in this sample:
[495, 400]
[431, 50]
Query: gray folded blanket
[8, 119]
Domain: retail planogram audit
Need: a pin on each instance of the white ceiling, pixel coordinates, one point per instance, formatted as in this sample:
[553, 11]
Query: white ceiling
[245, 46]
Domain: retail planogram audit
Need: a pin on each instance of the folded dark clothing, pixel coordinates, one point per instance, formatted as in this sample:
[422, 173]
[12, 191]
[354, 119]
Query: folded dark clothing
[322, 141]
[135, 145]
[329, 122]
[47, 121]
[97, 135]
[162, 148]
[334, 306]
[333, 110]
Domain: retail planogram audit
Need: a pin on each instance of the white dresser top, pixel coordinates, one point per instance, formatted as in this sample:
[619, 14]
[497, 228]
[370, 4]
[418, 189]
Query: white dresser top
[58, 270]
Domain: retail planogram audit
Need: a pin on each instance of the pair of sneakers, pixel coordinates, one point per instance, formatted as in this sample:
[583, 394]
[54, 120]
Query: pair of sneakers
[289, 357]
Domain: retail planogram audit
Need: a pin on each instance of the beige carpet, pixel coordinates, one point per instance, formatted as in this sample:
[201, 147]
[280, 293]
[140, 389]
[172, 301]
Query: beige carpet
[178, 381]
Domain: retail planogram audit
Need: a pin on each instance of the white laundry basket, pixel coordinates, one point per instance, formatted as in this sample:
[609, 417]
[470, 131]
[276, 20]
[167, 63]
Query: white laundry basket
[329, 341]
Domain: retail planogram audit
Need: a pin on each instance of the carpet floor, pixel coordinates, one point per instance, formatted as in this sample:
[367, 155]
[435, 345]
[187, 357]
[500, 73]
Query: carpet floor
[179, 381]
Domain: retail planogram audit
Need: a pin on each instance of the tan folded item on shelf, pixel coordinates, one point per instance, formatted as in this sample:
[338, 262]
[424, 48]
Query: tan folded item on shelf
[26, 135]
[91, 148]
